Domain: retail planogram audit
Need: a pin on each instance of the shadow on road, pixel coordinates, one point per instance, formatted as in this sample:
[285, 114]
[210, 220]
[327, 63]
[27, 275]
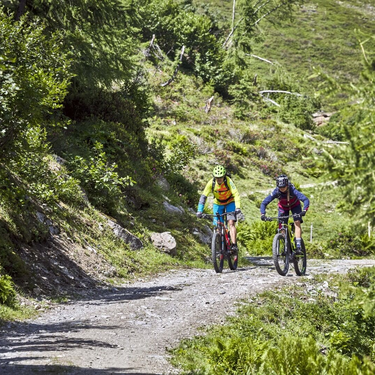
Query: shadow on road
[13, 369]
[260, 261]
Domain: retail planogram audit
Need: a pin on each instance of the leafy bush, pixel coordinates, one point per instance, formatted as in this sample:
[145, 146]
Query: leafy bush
[181, 150]
[100, 178]
[7, 292]
[175, 26]
[257, 237]
[298, 111]
[352, 243]
[186, 190]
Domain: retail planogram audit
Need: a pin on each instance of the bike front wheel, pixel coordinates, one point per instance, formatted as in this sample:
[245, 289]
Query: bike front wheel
[217, 256]
[280, 254]
[300, 261]
[232, 261]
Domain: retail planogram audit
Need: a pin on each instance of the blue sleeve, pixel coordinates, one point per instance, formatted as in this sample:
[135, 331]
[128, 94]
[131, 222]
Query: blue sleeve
[301, 197]
[202, 202]
[267, 201]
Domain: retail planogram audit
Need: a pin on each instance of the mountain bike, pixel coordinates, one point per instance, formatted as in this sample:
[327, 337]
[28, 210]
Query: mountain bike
[284, 249]
[221, 245]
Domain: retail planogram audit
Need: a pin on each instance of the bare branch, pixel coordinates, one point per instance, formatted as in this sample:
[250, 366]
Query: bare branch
[176, 70]
[260, 58]
[260, 6]
[231, 33]
[152, 41]
[329, 141]
[207, 108]
[233, 13]
[155, 48]
[272, 101]
[279, 92]
[268, 13]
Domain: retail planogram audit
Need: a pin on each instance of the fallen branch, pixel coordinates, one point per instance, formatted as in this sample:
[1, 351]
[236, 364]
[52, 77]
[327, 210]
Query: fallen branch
[272, 101]
[207, 108]
[232, 31]
[260, 58]
[176, 70]
[279, 92]
[267, 14]
[156, 49]
[329, 141]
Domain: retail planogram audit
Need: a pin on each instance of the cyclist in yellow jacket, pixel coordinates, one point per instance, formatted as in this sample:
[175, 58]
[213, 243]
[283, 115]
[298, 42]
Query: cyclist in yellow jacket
[226, 199]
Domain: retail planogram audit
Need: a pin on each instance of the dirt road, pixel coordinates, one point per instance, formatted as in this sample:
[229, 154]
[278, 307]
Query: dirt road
[128, 329]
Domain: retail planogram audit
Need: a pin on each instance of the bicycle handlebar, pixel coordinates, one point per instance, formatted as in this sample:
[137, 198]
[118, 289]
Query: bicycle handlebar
[216, 215]
[281, 217]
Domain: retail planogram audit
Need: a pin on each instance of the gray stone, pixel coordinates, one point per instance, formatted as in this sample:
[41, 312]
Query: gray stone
[53, 229]
[163, 183]
[204, 236]
[134, 242]
[164, 242]
[173, 209]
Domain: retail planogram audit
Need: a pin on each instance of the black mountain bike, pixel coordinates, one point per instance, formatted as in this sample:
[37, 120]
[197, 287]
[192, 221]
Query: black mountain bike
[221, 246]
[284, 249]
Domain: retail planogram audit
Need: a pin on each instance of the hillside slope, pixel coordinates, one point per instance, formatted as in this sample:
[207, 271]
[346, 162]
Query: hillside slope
[68, 244]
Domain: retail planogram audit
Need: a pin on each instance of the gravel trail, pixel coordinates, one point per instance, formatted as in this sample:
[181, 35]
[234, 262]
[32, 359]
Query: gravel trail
[128, 329]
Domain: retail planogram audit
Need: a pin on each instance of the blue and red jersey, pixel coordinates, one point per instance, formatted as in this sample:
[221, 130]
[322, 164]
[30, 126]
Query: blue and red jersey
[288, 200]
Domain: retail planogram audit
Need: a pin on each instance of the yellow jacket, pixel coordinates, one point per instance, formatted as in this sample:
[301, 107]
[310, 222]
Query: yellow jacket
[223, 194]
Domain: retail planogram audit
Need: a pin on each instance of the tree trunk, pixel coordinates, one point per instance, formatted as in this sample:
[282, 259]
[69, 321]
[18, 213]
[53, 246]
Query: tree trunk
[20, 10]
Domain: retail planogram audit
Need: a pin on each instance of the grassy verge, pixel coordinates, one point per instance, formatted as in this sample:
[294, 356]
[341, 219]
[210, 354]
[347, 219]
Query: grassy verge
[323, 327]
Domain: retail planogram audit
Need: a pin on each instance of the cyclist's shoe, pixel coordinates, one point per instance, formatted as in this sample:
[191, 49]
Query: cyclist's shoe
[299, 250]
[234, 249]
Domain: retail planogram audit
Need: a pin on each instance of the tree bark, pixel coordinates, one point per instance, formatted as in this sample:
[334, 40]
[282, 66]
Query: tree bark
[21, 10]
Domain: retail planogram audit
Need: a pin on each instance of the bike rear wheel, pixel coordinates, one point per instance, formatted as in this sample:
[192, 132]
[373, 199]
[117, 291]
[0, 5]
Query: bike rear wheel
[300, 261]
[216, 254]
[280, 254]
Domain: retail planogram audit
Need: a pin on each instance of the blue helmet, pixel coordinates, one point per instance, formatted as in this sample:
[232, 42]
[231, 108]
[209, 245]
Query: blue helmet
[282, 181]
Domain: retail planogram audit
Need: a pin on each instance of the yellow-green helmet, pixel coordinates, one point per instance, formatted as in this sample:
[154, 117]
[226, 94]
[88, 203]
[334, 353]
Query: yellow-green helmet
[219, 171]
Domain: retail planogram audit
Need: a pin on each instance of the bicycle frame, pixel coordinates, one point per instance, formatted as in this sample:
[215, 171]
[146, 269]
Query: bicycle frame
[289, 236]
[221, 244]
[224, 233]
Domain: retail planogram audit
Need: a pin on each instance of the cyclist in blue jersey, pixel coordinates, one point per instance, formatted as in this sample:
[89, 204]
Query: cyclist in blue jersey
[289, 200]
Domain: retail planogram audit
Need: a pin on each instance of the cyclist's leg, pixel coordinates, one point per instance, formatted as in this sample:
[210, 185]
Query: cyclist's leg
[297, 224]
[230, 207]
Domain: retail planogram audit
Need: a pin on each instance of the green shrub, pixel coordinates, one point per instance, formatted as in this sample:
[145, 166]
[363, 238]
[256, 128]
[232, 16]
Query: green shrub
[7, 292]
[257, 237]
[185, 189]
[100, 179]
[351, 243]
[181, 150]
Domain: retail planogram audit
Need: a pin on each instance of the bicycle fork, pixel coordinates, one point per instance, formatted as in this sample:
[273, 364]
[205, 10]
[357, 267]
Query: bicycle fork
[222, 244]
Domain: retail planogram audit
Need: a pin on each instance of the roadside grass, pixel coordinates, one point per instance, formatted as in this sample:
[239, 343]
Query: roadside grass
[306, 328]
[16, 313]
